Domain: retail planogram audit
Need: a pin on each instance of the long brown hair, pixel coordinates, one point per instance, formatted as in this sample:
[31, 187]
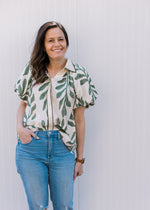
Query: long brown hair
[39, 58]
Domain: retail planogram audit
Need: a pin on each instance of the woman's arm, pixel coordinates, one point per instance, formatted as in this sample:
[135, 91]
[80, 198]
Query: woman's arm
[20, 115]
[25, 134]
[80, 135]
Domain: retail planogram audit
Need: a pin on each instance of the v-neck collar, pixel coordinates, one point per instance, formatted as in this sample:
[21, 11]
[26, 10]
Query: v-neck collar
[69, 66]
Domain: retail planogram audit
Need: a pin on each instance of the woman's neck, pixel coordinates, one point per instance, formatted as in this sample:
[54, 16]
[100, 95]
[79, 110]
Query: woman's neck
[56, 65]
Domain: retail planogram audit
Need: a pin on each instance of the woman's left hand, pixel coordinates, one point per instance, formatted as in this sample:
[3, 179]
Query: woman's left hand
[78, 171]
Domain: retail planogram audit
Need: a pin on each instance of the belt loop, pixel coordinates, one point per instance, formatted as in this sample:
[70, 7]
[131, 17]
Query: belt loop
[36, 132]
[59, 136]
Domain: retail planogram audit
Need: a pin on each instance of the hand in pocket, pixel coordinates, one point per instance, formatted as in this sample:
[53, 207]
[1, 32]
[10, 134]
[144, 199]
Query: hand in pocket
[25, 134]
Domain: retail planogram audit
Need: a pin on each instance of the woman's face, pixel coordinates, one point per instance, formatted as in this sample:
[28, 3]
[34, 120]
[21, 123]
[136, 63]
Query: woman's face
[55, 43]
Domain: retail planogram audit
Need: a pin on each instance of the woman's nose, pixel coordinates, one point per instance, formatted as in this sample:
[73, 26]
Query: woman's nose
[56, 43]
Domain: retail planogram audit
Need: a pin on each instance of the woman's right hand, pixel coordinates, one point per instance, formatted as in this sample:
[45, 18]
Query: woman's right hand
[25, 134]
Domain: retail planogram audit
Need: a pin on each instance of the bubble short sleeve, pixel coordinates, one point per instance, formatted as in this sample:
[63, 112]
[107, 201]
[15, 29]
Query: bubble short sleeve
[85, 92]
[23, 83]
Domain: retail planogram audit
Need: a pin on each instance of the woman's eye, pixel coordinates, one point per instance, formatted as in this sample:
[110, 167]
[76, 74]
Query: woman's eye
[61, 39]
[50, 40]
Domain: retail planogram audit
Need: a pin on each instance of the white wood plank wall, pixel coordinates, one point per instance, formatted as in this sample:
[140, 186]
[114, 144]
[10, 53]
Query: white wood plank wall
[111, 39]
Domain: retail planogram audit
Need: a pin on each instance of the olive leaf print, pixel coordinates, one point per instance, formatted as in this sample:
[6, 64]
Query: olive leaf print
[72, 89]
[72, 142]
[32, 113]
[21, 87]
[43, 96]
[84, 77]
[25, 97]
[65, 92]
[60, 125]
[43, 125]
[23, 84]
[26, 71]
[71, 121]
[43, 90]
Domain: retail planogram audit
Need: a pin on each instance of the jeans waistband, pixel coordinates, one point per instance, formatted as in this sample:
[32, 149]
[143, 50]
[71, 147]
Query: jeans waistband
[54, 133]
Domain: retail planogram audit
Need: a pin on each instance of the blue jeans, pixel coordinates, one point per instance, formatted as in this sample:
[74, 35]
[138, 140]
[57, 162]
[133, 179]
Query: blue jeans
[46, 162]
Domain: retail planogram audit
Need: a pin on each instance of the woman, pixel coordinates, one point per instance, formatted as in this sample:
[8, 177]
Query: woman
[54, 93]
